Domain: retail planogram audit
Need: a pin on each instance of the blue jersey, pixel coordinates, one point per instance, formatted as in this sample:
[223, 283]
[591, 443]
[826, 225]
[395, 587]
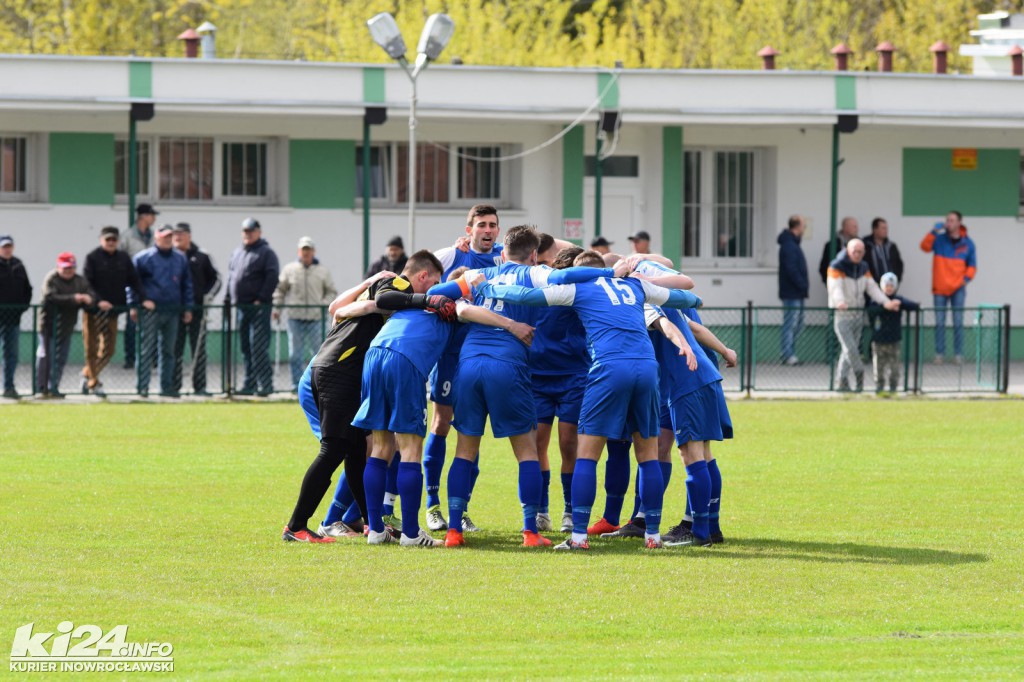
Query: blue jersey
[692, 314]
[452, 259]
[652, 269]
[559, 344]
[419, 335]
[676, 379]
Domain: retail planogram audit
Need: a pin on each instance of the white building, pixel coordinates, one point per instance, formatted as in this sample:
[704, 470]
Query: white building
[710, 163]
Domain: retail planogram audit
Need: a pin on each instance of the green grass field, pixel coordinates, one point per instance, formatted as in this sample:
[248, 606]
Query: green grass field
[865, 539]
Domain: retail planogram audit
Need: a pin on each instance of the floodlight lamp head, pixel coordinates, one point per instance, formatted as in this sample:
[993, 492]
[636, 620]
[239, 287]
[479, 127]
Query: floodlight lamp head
[436, 33]
[385, 32]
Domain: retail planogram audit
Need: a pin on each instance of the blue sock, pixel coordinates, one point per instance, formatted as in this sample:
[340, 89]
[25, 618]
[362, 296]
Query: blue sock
[698, 486]
[374, 479]
[716, 497]
[342, 501]
[666, 472]
[473, 477]
[433, 466]
[352, 514]
[638, 507]
[460, 475]
[652, 494]
[584, 490]
[410, 489]
[616, 480]
[391, 485]
[529, 493]
[567, 492]
[545, 482]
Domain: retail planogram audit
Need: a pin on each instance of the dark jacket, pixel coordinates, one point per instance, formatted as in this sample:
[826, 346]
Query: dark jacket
[826, 258]
[252, 273]
[110, 275]
[166, 279]
[886, 326]
[14, 285]
[205, 279]
[60, 311]
[882, 258]
[792, 267]
[395, 266]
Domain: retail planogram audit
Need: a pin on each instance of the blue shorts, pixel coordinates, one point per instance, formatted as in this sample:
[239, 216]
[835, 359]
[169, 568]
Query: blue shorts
[394, 394]
[621, 399]
[723, 411]
[488, 386]
[665, 417]
[695, 415]
[559, 395]
[442, 379]
[307, 402]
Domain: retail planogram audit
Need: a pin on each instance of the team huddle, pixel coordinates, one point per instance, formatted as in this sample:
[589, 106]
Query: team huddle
[521, 333]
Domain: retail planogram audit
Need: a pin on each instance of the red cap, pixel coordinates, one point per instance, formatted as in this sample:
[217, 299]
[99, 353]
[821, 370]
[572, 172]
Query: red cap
[66, 260]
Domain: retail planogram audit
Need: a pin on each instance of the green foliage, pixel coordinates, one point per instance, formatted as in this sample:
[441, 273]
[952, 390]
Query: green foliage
[721, 34]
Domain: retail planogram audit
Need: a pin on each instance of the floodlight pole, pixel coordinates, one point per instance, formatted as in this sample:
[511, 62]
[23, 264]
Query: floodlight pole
[411, 189]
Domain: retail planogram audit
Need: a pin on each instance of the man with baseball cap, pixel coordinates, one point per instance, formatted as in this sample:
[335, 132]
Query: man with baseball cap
[601, 245]
[641, 241]
[110, 273]
[64, 292]
[15, 296]
[205, 285]
[393, 260]
[252, 278]
[136, 238]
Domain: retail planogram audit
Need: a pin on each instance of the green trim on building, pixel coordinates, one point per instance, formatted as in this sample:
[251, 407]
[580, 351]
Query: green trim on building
[572, 174]
[672, 193]
[140, 80]
[610, 99]
[846, 92]
[374, 90]
[322, 173]
[82, 168]
[933, 187]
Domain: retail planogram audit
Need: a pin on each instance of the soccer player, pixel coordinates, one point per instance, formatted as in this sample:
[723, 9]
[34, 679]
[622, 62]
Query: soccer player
[483, 251]
[335, 376]
[488, 353]
[621, 397]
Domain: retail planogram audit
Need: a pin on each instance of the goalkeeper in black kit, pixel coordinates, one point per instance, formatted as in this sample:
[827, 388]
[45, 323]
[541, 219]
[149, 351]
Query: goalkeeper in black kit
[336, 377]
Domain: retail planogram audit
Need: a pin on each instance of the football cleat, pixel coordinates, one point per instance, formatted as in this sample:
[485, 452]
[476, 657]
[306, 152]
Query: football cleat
[392, 521]
[602, 527]
[681, 537]
[543, 522]
[566, 522]
[570, 546]
[454, 538]
[338, 529]
[421, 540]
[304, 535]
[651, 543]
[630, 530]
[717, 538]
[531, 539]
[436, 520]
[468, 526]
[375, 538]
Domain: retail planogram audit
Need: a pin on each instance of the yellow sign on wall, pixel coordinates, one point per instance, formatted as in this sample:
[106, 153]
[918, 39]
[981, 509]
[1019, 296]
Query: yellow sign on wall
[965, 159]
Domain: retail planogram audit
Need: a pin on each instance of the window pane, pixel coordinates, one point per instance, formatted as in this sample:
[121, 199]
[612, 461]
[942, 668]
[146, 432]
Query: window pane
[121, 167]
[691, 204]
[431, 173]
[13, 164]
[478, 177]
[380, 171]
[244, 169]
[186, 169]
[734, 204]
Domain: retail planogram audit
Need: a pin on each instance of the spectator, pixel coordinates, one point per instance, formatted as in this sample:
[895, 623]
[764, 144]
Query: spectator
[953, 266]
[205, 285]
[793, 286]
[886, 334]
[848, 281]
[15, 296]
[847, 230]
[602, 245]
[882, 255]
[252, 278]
[641, 241]
[167, 298]
[110, 273]
[64, 292]
[135, 240]
[393, 260]
[304, 283]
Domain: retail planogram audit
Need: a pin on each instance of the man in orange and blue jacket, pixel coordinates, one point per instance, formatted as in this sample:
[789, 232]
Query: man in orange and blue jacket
[953, 266]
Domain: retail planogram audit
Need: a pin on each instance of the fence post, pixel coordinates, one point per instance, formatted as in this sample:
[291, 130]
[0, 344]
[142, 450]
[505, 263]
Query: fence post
[905, 347]
[1004, 354]
[749, 340]
[227, 365]
[830, 335]
[32, 360]
[917, 351]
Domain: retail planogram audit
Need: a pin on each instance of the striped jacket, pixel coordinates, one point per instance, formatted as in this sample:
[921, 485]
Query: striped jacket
[953, 265]
[848, 282]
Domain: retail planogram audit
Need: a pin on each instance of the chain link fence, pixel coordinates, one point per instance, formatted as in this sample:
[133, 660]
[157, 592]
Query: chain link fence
[262, 350]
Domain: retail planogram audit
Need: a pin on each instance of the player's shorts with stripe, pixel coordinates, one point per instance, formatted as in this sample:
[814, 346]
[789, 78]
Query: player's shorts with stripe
[723, 411]
[394, 394]
[559, 395]
[487, 386]
[695, 415]
[335, 391]
[307, 402]
[442, 379]
[621, 399]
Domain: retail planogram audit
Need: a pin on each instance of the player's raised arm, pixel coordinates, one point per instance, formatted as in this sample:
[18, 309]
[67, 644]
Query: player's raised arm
[350, 295]
[671, 298]
[543, 276]
[357, 309]
[706, 337]
[563, 294]
[473, 313]
[657, 320]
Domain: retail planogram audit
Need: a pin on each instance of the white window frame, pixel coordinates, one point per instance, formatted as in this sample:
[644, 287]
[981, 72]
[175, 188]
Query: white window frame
[272, 197]
[31, 151]
[706, 204]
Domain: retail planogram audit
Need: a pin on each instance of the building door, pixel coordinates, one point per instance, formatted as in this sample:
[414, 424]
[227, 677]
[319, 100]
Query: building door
[623, 212]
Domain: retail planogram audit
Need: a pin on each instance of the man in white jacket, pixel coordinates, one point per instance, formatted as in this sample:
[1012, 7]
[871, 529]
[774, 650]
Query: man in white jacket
[848, 280]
